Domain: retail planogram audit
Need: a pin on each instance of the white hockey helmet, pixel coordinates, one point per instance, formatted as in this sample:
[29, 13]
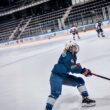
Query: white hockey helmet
[70, 44]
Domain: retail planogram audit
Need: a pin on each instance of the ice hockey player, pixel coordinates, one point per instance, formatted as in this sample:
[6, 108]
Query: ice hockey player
[74, 31]
[60, 76]
[99, 28]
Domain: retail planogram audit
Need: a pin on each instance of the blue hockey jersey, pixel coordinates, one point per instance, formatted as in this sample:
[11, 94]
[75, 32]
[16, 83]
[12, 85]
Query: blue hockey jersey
[66, 64]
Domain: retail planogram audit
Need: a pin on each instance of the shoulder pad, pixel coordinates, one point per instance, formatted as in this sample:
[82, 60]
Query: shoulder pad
[64, 54]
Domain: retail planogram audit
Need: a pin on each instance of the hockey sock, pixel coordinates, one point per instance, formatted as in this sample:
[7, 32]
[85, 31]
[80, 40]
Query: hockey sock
[83, 91]
[50, 103]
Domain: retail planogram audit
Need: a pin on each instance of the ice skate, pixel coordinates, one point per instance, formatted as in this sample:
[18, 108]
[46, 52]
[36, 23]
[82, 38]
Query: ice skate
[86, 102]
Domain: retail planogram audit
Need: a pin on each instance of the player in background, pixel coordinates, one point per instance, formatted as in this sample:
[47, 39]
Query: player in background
[74, 31]
[99, 28]
[60, 76]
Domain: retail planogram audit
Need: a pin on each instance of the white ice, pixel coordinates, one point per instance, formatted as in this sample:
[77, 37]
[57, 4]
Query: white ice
[25, 72]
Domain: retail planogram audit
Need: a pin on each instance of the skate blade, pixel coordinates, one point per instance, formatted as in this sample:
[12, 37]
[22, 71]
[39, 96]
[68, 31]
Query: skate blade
[88, 105]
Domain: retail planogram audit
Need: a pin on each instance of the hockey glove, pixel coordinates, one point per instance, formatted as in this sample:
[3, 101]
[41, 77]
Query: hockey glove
[86, 72]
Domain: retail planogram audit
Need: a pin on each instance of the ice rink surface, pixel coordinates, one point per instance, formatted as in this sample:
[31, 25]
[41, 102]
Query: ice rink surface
[25, 72]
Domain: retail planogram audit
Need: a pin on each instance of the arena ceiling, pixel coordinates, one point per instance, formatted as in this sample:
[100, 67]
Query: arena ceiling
[8, 2]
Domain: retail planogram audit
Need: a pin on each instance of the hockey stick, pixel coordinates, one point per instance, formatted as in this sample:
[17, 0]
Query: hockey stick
[103, 77]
